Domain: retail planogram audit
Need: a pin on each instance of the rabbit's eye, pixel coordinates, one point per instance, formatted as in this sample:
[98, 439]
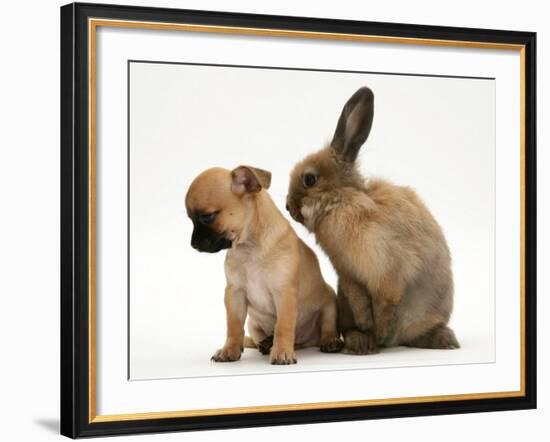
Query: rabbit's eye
[310, 180]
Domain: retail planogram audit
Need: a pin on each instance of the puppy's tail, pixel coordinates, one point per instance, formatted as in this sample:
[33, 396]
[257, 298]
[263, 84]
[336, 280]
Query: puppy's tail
[249, 342]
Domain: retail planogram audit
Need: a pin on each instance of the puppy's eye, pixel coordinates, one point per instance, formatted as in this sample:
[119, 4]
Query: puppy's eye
[208, 218]
[310, 180]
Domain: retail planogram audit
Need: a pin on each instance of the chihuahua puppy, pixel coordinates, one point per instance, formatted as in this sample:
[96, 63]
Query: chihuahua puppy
[271, 275]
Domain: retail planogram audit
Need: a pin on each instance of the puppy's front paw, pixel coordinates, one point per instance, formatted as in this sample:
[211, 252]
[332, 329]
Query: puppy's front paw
[282, 356]
[333, 346]
[227, 354]
[359, 343]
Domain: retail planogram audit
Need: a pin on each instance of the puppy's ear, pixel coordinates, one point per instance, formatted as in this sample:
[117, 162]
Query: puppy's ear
[246, 179]
[354, 125]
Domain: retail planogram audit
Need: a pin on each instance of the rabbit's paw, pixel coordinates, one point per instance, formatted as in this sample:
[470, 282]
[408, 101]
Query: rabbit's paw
[359, 343]
[440, 337]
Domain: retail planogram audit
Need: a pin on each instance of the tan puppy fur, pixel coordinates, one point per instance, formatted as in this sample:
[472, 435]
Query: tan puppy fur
[394, 266]
[272, 276]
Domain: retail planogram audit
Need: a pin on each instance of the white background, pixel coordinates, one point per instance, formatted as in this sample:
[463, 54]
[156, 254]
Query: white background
[29, 183]
[435, 134]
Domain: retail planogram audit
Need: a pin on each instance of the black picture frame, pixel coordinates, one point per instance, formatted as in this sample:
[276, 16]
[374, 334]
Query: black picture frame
[75, 219]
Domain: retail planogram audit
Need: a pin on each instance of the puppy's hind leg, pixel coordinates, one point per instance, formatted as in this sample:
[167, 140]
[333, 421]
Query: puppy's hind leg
[330, 341]
[265, 345]
[249, 342]
[439, 337]
[261, 340]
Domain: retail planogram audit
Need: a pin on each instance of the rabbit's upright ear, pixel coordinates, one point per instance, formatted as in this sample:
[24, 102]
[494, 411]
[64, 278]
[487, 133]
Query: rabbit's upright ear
[354, 125]
[246, 179]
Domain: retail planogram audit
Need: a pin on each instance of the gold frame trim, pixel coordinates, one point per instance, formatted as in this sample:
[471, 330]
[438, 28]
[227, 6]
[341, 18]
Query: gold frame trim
[92, 28]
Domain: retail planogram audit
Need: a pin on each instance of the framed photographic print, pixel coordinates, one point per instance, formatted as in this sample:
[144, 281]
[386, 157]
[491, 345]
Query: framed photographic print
[272, 220]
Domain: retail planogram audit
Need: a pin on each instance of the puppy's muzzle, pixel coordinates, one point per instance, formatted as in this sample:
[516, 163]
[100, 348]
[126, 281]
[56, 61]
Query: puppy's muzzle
[206, 240]
[209, 245]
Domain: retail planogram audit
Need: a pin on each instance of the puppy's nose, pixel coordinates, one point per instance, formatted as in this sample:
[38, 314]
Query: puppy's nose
[287, 208]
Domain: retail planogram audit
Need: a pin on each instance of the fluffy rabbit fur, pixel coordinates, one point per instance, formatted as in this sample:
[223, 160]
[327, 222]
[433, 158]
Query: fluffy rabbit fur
[395, 283]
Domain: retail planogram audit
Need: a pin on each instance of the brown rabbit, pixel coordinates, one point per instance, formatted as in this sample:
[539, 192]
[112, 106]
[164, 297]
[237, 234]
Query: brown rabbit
[395, 282]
